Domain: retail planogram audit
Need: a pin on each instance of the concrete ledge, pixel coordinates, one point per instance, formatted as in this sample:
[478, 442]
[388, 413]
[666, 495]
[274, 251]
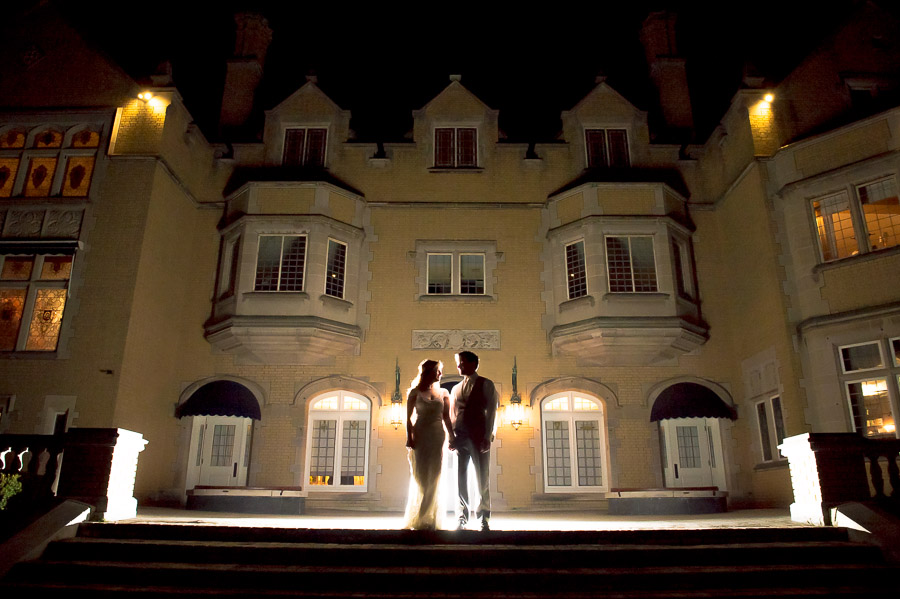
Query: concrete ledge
[666, 502]
[868, 523]
[285, 501]
[60, 522]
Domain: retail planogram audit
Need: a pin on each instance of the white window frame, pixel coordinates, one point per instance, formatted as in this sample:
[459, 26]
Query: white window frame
[857, 217]
[606, 129]
[570, 416]
[340, 415]
[456, 129]
[280, 262]
[771, 427]
[328, 267]
[889, 371]
[684, 286]
[32, 286]
[876, 343]
[895, 356]
[456, 273]
[305, 128]
[569, 272]
[456, 249]
[631, 262]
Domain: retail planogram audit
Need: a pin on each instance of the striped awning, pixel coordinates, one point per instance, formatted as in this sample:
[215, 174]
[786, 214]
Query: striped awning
[220, 398]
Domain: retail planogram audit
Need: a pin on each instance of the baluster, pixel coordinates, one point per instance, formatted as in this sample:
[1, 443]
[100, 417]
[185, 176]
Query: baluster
[875, 473]
[894, 475]
[3, 461]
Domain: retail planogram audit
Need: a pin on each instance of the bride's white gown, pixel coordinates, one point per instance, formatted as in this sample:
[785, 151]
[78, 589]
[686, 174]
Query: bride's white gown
[425, 463]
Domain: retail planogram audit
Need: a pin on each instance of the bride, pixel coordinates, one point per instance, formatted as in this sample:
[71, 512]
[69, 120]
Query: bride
[425, 440]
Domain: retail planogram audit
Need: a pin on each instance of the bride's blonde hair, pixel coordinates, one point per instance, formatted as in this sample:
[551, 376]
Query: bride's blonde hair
[425, 367]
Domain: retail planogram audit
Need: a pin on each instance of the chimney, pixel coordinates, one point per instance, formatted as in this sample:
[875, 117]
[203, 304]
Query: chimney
[667, 71]
[245, 70]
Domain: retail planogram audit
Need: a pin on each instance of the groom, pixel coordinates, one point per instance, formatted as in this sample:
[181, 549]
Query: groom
[474, 406]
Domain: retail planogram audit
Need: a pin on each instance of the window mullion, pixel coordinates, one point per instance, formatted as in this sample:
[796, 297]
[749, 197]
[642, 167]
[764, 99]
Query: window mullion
[280, 263]
[631, 265]
[859, 221]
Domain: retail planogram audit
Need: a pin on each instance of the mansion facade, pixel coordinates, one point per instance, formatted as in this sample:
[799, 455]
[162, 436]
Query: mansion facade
[654, 315]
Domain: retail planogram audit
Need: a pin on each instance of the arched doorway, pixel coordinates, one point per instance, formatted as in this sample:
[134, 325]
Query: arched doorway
[690, 435]
[222, 414]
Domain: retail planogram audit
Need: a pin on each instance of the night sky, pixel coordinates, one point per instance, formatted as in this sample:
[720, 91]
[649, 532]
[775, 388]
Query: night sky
[383, 63]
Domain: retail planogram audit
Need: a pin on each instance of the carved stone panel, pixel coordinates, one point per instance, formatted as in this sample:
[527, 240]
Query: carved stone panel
[62, 224]
[24, 223]
[455, 339]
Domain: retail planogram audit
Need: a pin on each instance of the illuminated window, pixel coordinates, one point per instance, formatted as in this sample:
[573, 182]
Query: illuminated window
[335, 268]
[338, 442]
[881, 212]
[304, 146]
[607, 148]
[631, 265]
[455, 273]
[574, 444]
[55, 162]
[869, 383]
[576, 276]
[33, 293]
[455, 147]
[770, 424]
[280, 262]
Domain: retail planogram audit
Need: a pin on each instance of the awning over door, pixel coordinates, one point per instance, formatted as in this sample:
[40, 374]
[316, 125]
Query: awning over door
[220, 398]
[690, 400]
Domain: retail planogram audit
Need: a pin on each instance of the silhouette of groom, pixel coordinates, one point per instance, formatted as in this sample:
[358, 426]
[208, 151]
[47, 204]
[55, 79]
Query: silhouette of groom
[473, 409]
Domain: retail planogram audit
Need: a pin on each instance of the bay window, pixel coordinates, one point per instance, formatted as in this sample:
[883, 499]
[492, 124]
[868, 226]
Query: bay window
[576, 275]
[869, 383]
[280, 262]
[335, 268]
[33, 293]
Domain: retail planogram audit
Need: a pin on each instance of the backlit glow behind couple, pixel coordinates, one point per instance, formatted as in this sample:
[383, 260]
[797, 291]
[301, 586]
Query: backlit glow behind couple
[467, 413]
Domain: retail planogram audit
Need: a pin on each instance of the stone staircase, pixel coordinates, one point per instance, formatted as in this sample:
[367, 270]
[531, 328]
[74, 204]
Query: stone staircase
[162, 560]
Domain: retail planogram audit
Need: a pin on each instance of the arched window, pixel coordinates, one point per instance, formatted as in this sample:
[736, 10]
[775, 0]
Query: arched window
[575, 452]
[337, 446]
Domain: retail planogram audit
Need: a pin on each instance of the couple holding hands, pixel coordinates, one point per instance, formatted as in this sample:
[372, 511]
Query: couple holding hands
[467, 412]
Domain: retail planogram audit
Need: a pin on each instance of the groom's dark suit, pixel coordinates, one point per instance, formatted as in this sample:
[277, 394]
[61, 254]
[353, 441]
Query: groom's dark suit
[474, 402]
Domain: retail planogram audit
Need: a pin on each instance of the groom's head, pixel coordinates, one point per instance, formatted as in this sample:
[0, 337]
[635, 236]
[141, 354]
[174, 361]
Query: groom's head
[466, 363]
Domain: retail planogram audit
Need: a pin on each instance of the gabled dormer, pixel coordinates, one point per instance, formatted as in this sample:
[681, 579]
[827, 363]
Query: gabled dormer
[456, 131]
[605, 130]
[305, 130]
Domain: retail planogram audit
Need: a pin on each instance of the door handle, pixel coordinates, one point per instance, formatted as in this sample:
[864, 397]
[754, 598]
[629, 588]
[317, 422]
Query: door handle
[676, 470]
[234, 471]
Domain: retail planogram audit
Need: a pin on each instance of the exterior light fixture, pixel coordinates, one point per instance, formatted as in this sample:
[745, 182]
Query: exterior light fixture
[396, 399]
[145, 96]
[516, 411]
[768, 98]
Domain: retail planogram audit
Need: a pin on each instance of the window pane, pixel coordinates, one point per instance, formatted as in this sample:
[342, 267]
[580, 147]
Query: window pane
[596, 147]
[17, 268]
[268, 262]
[56, 268]
[587, 443]
[293, 147]
[48, 139]
[881, 210]
[871, 408]
[583, 404]
[321, 452]
[86, 139]
[895, 347]
[643, 264]
[688, 446]
[560, 404]
[8, 169]
[778, 418]
[443, 147]
[471, 274]
[40, 176]
[762, 420]
[315, 147]
[559, 461]
[12, 303]
[334, 274]
[576, 277]
[77, 179]
[43, 334]
[618, 147]
[292, 261]
[466, 143]
[837, 239]
[329, 403]
[861, 357]
[12, 139]
[353, 453]
[222, 445]
[618, 261]
[439, 273]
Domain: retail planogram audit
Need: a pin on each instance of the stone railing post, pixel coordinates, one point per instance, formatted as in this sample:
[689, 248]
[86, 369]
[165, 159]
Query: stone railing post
[827, 469]
[99, 468]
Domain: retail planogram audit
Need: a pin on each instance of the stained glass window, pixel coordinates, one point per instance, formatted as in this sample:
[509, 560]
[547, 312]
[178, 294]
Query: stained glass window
[43, 333]
[12, 303]
[8, 169]
[40, 283]
[77, 179]
[40, 176]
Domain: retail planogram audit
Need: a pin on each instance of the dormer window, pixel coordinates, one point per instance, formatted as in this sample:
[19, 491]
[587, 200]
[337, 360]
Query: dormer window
[304, 146]
[606, 148]
[455, 147]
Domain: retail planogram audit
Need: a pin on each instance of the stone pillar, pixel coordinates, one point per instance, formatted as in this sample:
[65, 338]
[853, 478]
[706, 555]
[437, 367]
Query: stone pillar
[99, 468]
[827, 469]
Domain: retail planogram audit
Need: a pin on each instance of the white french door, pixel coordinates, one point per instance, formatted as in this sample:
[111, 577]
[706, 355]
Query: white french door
[220, 451]
[692, 453]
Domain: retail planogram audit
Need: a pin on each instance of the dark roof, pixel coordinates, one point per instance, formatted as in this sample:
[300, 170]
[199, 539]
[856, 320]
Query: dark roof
[690, 400]
[220, 398]
[670, 177]
[243, 175]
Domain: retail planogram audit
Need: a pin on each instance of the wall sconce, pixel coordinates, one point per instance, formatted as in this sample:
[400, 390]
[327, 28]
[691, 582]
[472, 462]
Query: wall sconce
[769, 98]
[396, 399]
[516, 411]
